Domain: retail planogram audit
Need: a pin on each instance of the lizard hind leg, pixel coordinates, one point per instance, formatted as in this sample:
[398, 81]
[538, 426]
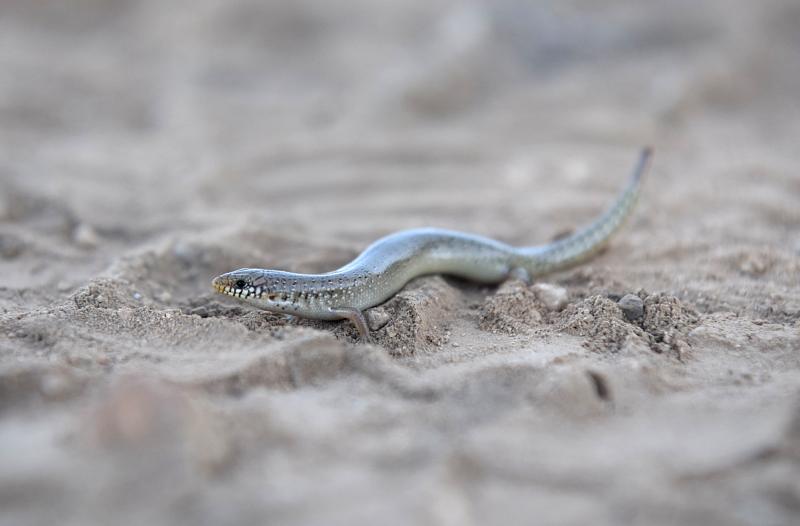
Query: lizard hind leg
[357, 318]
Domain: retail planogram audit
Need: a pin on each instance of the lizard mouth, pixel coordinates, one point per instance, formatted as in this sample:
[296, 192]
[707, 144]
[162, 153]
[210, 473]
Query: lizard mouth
[224, 286]
[220, 286]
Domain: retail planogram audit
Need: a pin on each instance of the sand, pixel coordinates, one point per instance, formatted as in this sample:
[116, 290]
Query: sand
[148, 146]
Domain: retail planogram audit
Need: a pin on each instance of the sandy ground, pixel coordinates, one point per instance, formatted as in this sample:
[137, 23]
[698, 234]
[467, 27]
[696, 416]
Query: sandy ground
[147, 146]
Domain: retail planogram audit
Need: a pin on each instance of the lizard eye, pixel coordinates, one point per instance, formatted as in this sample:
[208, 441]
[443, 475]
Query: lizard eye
[240, 283]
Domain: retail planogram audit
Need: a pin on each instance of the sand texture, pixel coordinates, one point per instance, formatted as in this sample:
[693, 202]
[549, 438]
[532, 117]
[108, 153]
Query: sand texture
[146, 147]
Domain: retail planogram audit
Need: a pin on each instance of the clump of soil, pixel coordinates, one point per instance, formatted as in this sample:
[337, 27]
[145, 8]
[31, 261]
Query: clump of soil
[664, 325]
[416, 318]
[108, 293]
[667, 321]
[599, 319]
[513, 309]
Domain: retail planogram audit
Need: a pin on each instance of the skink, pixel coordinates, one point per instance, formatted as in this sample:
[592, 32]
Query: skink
[388, 264]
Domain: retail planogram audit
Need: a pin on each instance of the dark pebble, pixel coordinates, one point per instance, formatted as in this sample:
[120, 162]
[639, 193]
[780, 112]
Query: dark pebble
[632, 306]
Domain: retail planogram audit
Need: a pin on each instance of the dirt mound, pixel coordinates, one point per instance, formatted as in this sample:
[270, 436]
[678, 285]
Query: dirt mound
[513, 309]
[664, 324]
[417, 318]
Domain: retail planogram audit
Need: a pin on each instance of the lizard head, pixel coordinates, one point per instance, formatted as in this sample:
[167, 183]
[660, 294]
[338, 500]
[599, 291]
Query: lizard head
[267, 289]
[241, 283]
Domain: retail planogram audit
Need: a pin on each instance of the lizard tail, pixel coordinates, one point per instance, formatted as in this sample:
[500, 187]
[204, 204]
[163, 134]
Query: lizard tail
[590, 239]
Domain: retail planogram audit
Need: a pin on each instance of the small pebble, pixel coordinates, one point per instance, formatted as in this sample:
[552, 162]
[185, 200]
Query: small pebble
[85, 236]
[632, 306]
[377, 318]
[552, 296]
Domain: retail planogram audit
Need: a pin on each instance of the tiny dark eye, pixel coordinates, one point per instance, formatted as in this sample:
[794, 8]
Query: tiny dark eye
[240, 283]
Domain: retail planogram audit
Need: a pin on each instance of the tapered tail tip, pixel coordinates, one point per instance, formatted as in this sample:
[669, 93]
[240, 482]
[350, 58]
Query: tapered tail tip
[645, 157]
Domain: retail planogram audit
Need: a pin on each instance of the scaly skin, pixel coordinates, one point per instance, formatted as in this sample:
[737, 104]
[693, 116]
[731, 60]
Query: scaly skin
[388, 264]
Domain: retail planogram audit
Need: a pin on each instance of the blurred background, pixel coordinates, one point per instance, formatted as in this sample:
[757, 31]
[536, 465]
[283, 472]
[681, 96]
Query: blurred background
[199, 105]
[146, 146]
[203, 113]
